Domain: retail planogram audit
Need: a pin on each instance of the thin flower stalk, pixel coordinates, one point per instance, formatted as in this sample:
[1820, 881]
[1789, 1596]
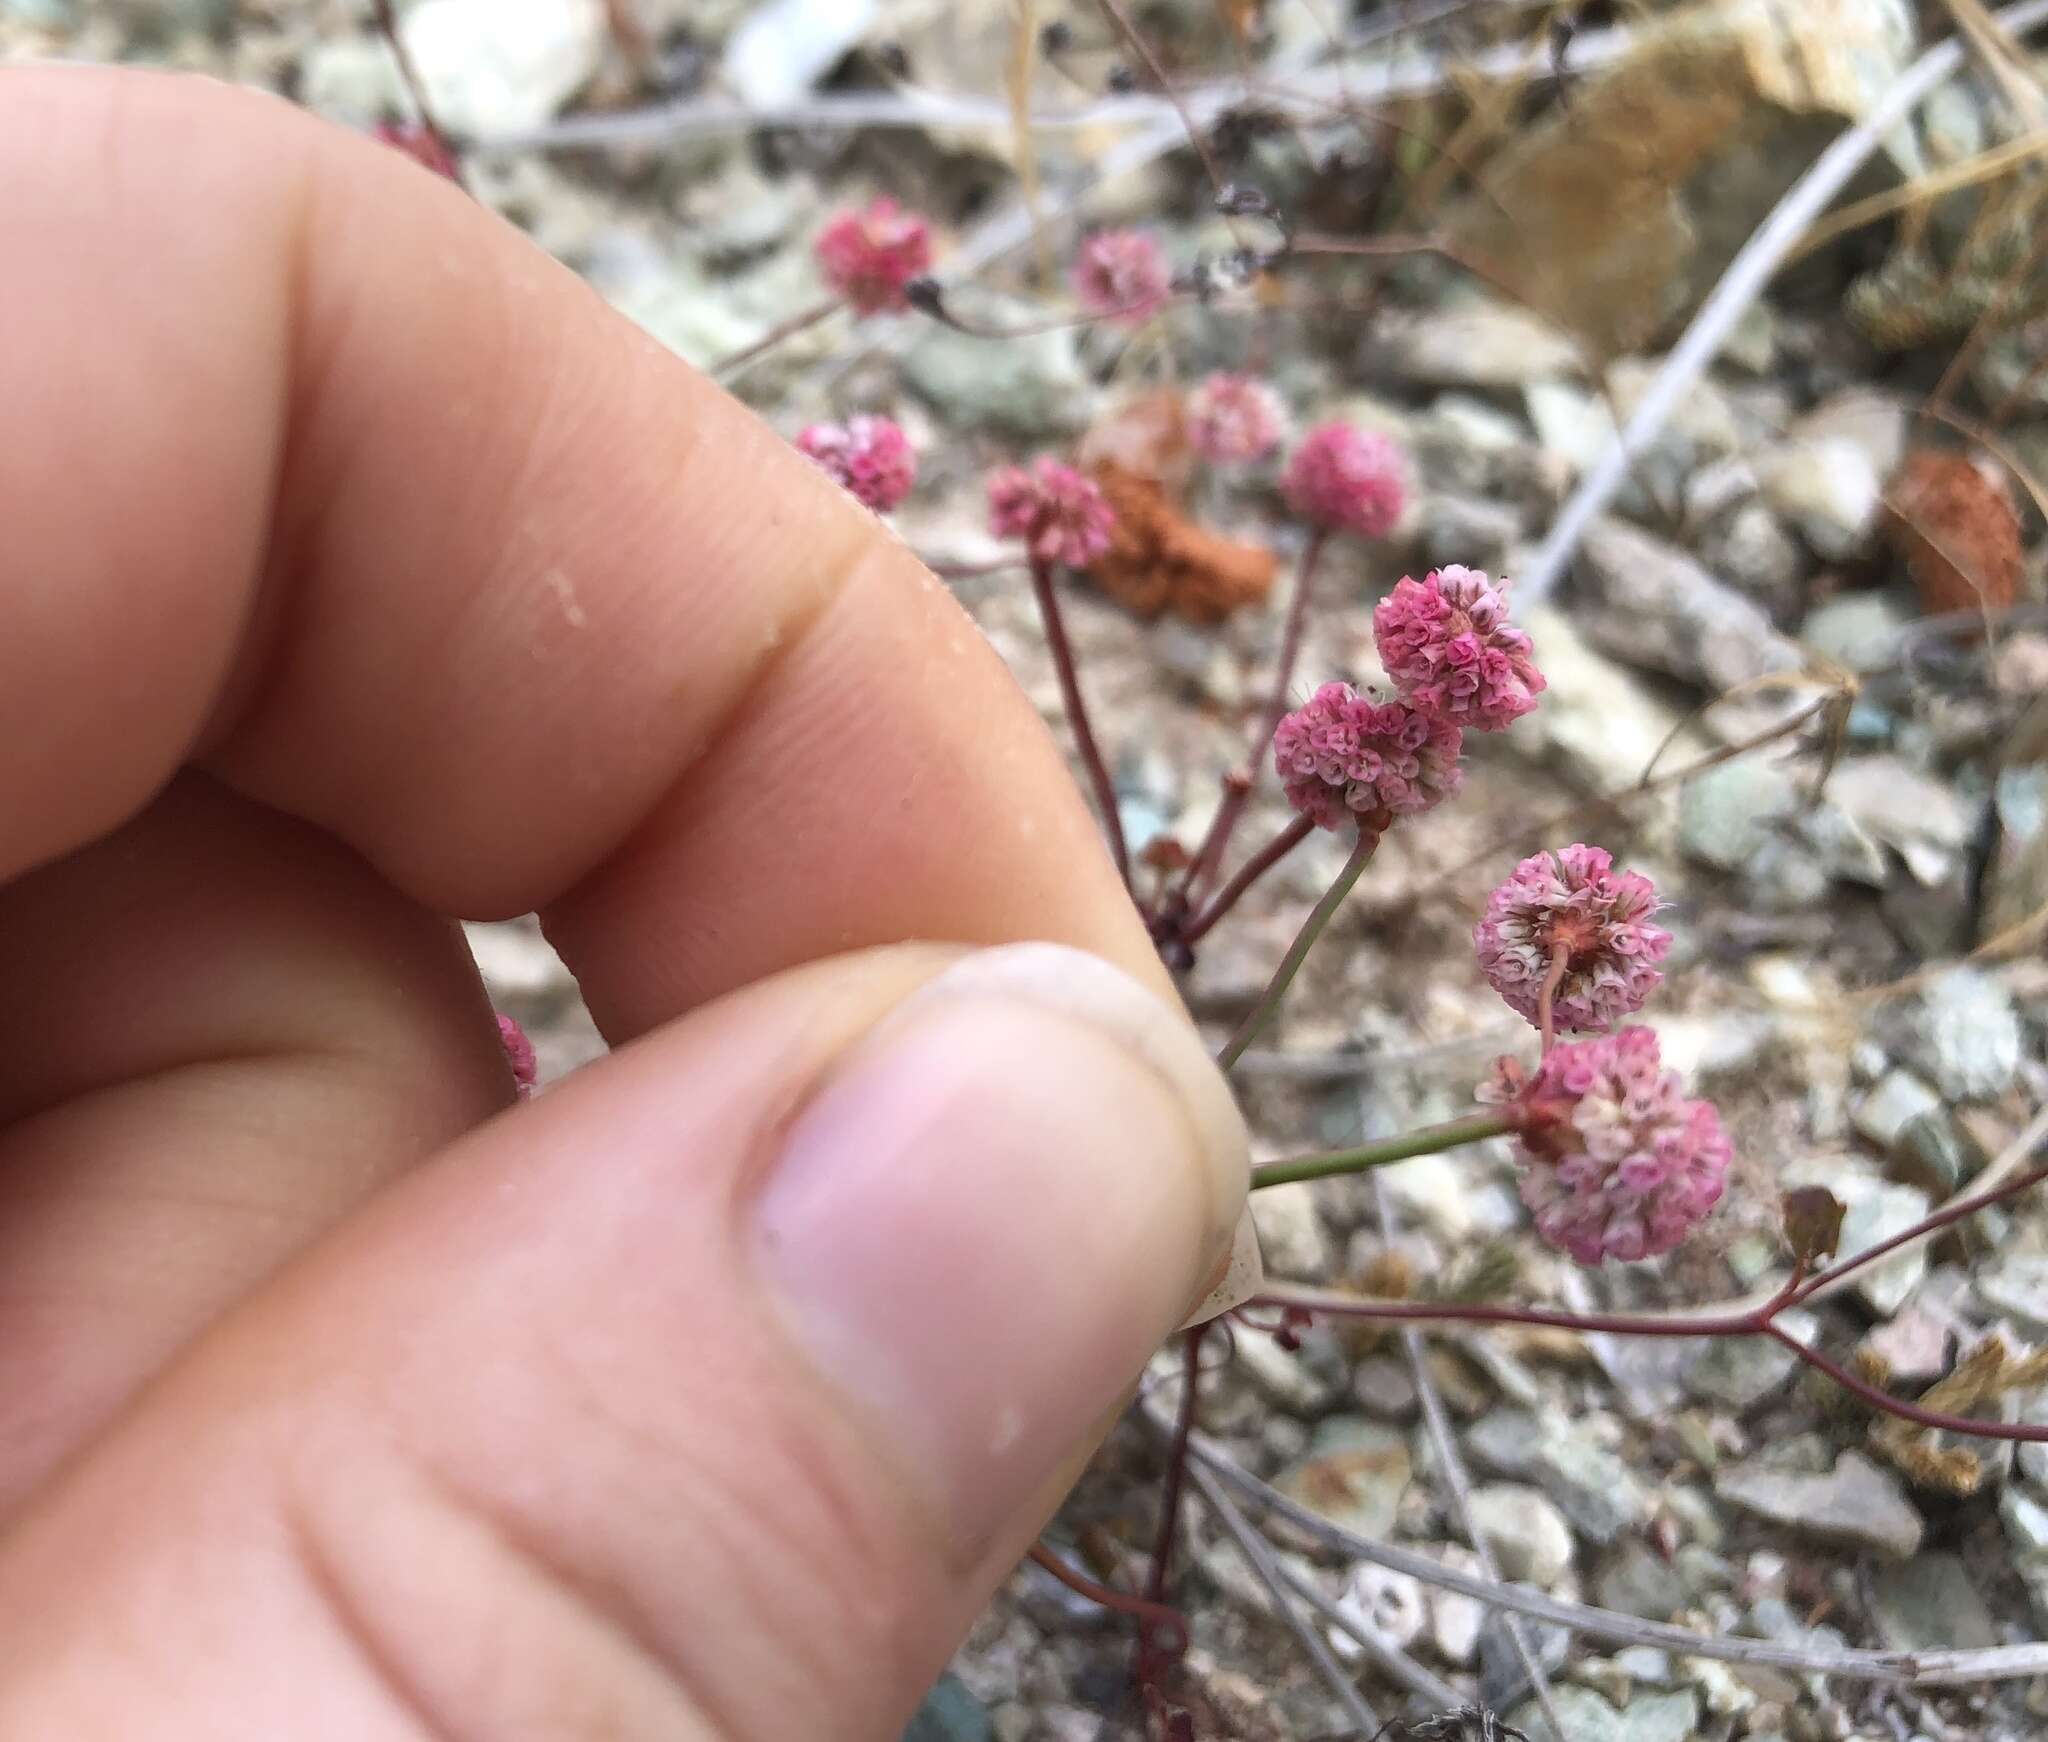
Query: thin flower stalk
[1298, 829]
[1429, 1140]
[1320, 916]
[1238, 789]
[1062, 652]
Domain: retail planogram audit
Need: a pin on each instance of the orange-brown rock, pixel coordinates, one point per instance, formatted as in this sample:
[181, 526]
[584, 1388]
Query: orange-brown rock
[1160, 560]
[1956, 532]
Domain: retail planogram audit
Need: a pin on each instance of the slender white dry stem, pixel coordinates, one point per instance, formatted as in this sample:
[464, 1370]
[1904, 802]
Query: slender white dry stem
[1909, 1668]
[1259, 1557]
[1451, 1464]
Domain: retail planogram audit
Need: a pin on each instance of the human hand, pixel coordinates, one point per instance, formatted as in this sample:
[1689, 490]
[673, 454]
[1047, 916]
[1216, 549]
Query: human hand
[363, 569]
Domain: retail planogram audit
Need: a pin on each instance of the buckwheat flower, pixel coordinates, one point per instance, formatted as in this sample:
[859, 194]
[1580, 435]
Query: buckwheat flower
[1347, 759]
[1233, 418]
[1121, 275]
[519, 1055]
[1060, 515]
[1345, 479]
[870, 457]
[869, 255]
[1617, 1162]
[1446, 641]
[1577, 903]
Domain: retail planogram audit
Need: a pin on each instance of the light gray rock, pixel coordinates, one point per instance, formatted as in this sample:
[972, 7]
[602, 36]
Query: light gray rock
[1930, 1603]
[351, 79]
[503, 66]
[1291, 1233]
[784, 47]
[1390, 1606]
[1587, 1717]
[1479, 342]
[1858, 630]
[1874, 1210]
[1656, 606]
[1638, 1581]
[1856, 1503]
[1740, 1372]
[1827, 476]
[1355, 1475]
[1751, 549]
[1727, 815]
[1599, 721]
[2016, 1285]
[1483, 531]
[1918, 817]
[1592, 1487]
[1528, 1535]
[1963, 1034]
[1032, 386]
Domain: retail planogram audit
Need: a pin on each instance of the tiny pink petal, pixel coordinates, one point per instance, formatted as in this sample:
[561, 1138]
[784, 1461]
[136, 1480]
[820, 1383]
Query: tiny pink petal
[1060, 516]
[869, 256]
[1617, 1162]
[870, 457]
[1233, 419]
[1344, 758]
[1346, 479]
[1600, 916]
[518, 1054]
[1447, 642]
[1121, 275]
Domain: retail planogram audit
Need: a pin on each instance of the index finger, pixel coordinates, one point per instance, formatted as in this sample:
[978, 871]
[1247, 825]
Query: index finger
[315, 472]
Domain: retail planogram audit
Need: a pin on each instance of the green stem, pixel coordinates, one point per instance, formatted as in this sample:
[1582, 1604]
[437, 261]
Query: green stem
[1297, 952]
[1473, 1128]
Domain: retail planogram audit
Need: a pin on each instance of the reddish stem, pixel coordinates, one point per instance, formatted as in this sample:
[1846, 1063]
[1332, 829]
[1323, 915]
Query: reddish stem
[1238, 791]
[1152, 1618]
[385, 15]
[801, 322]
[1297, 831]
[1759, 1321]
[1176, 1464]
[1546, 1017]
[1077, 715]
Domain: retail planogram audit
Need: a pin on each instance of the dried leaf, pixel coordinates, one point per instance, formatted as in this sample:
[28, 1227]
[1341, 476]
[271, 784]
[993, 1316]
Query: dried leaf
[1813, 1224]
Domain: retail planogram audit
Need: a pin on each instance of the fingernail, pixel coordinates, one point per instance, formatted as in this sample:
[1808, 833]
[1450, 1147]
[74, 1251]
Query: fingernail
[990, 1214]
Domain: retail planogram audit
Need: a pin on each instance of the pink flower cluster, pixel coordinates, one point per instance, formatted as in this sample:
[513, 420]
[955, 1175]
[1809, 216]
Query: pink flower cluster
[1447, 642]
[1060, 515]
[519, 1055]
[1345, 479]
[870, 457]
[1345, 758]
[1577, 903]
[1619, 1163]
[869, 256]
[1233, 419]
[1121, 275]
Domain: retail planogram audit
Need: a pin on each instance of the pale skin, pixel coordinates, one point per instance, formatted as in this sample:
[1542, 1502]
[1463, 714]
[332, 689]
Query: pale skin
[363, 571]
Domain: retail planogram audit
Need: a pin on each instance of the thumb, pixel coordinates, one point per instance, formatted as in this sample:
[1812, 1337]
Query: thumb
[707, 1395]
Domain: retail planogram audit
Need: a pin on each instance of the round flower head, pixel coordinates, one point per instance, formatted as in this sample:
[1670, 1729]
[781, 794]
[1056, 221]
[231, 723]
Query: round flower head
[869, 256]
[1345, 758]
[1345, 479]
[519, 1055]
[1618, 1163]
[1060, 515]
[1446, 641]
[1121, 275]
[1232, 419]
[870, 456]
[1577, 902]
